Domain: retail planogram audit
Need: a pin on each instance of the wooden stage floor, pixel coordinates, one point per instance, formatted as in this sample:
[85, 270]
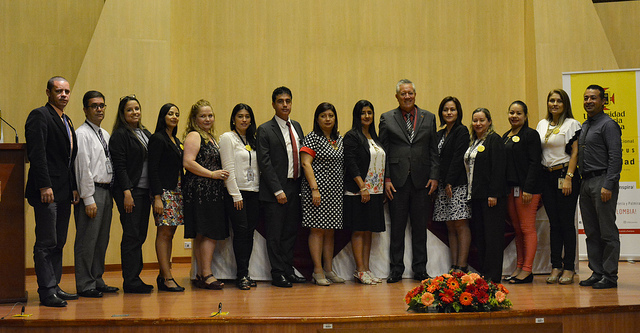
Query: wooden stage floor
[308, 308]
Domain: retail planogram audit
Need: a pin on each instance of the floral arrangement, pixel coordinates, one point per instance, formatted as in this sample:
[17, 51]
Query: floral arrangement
[457, 292]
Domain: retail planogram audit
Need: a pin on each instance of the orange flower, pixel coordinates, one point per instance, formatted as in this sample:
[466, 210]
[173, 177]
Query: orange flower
[502, 288]
[427, 299]
[438, 278]
[453, 284]
[466, 279]
[500, 296]
[407, 299]
[448, 276]
[466, 298]
[474, 276]
[432, 287]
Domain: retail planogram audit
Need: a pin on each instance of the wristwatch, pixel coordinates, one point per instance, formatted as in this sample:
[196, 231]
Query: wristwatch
[570, 174]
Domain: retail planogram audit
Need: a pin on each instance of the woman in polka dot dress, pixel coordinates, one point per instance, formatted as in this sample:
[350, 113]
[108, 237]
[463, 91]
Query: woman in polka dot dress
[322, 190]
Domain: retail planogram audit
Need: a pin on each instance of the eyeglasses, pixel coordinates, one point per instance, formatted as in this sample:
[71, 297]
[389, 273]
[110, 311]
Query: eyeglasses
[98, 106]
[132, 96]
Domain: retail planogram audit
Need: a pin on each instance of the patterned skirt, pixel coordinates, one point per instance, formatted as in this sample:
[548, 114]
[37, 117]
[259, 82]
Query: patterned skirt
[452, 209]
[172, 214]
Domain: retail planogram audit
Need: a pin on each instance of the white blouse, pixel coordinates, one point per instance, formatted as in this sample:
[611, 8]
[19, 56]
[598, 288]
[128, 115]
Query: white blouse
[242, 164]
[554, 140]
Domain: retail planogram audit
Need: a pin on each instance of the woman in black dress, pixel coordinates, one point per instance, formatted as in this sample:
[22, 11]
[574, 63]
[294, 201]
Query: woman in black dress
[204, 216]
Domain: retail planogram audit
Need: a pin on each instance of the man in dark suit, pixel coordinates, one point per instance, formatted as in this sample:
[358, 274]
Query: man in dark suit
[408, 135]
[51, 187]
[279, 141]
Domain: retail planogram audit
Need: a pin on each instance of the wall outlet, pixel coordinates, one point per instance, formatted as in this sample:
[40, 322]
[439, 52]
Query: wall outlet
[187, 244]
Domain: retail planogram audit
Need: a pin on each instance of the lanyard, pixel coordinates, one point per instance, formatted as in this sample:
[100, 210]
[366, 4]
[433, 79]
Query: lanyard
[247, 147]
[102, 142]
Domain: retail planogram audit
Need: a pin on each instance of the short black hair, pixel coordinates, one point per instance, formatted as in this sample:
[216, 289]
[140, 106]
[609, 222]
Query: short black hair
[54, 79]
[89, 95]
[324, 106]
[597, 87]
[280, 91]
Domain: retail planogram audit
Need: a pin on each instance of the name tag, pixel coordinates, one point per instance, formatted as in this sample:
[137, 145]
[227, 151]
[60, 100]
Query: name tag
[516, 192]
[560, 182]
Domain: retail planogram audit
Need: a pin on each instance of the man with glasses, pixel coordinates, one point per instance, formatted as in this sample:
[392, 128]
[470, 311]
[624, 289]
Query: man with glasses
[51, 187]
[94, 174]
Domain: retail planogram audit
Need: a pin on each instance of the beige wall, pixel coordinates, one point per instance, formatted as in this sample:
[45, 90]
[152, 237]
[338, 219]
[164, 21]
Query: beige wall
[486, 53]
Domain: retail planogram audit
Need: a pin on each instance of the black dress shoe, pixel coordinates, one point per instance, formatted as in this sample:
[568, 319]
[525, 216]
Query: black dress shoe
[252, 283]
[590, 281]
[281, 281]
[54, 301]
[528, 279]
[66, 296]
[394, 277]
[604, 284]
[293, 278]
[91, 293]
[421, 276]
[140, 289]
[108, 289]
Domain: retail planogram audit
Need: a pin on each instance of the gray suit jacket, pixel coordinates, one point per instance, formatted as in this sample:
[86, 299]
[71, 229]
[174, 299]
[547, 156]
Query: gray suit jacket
[272, 157]
[417, 159]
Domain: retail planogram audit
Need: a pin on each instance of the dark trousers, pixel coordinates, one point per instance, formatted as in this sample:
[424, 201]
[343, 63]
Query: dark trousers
[52, 224]
[487, 226]
[561, 211]
[134, 233]
[409, 202]
[244, 224]
[282, 223]
[92, 239]
[599, 218]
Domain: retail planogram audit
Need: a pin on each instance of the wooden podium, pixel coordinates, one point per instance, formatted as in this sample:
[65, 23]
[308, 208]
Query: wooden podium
[12, 278]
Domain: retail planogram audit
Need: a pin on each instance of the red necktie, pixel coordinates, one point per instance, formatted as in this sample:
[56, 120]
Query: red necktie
[294, 147]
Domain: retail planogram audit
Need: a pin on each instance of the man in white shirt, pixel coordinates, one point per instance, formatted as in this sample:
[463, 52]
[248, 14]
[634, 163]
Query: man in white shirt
[94, 174]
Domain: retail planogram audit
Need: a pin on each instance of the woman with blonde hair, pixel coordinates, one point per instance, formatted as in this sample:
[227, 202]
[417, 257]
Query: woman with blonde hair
[203, 191]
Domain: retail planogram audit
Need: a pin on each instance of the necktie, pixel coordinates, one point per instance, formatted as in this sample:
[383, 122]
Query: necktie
[409, 126]
[66, 125]
[294, 148]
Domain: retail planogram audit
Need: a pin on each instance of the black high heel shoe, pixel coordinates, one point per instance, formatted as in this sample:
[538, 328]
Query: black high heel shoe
[528, 279]
[163, 287]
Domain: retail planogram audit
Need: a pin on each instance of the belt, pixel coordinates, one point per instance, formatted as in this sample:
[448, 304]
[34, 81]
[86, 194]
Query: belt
[591, 174]
[102, 185]
[557, 167]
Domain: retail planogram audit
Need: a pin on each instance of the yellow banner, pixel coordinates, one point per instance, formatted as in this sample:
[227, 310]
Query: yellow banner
[620, 105]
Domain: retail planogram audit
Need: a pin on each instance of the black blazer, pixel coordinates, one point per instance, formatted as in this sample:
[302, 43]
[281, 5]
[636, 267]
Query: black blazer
[417, 159]
[127, 155]
[452, 170]
[489, 171]
[356, 159]
[49, 151]
[272, 157]
[524, 159]
[165, 163]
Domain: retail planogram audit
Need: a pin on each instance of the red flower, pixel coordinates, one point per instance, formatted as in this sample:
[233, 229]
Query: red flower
[446, 296]
[471, 289]
[502, 288]
[482, 285]
[466, 298]
[482, 297]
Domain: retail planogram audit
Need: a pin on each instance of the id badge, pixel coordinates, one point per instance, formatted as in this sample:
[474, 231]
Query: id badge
[516, 192]
[250, 175]
[109, 167]
[560, 183]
